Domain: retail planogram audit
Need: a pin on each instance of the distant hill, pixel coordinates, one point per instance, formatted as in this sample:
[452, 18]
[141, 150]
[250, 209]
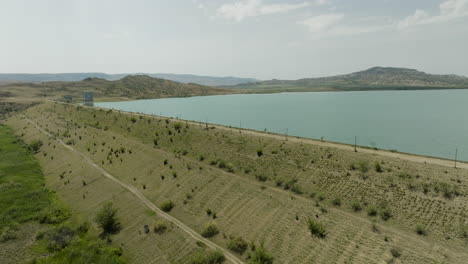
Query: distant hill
[73, 77]
[129, 87]
[371, 79]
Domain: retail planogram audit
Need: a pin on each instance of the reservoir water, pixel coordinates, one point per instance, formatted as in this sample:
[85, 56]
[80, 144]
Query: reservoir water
[433, 123]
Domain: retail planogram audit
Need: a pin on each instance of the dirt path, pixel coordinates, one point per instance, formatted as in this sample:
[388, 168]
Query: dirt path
[229, 256]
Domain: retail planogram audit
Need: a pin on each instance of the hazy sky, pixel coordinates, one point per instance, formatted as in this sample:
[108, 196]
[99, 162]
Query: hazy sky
[248, 38]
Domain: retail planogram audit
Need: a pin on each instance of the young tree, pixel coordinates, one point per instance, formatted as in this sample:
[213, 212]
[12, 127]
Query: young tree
[107, 219]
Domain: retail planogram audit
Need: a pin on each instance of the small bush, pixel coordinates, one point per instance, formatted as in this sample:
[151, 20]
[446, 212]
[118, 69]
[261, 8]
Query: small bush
[210, 230]
[336, 202]
[59, 238]
[356, 206]
[378, 168]
[159, 227]
[385, 214]
[372, 211]
[35, 145]
[211, 257]
[167, 206]
[260, 256]
[237, 245]
[363, 166]
[317, 229]
[420, 230]
[259, 152]
[396, 252]
[7, 234]
[261, 178]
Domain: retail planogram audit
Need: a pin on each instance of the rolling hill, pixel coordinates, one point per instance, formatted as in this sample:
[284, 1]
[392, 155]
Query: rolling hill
[129, 87]
[377, 78]
[73, 77]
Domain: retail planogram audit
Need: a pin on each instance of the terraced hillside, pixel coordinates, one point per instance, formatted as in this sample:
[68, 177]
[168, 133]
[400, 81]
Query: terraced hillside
[361, 208]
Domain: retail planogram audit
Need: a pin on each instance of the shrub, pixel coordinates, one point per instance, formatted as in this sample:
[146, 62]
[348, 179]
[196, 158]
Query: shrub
[167, 206]
[261, 256]
[317, 229]
[336, 202]
[133, 119]
[259, 152]
[83, 228]
[356, 205]
[420, 230]
[378, 168]
[396, 252]
[59, 238]
[296, 189]
[261, 178]
[107, 220]
[385, 214]
[159, 227]
[221, 164]
[35, 145]
[363, 166]
[7, 234]
[208, 212]
[210, 230]
[211, 257]
[237, 245]
[372, 211]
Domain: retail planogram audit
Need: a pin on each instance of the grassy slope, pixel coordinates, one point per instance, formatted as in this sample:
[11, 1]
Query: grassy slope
[25, 202]
[66, 173]
[414, 194]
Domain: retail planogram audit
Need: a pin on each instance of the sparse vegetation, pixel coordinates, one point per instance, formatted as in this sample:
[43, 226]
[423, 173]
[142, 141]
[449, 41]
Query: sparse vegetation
[238, 245]
[167, 206]
[159, 227]
[260, 256]
[210, 257]
[210, 230]
[317, 229]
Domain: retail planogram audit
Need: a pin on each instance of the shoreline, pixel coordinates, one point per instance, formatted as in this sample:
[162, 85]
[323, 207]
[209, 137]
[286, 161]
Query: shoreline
[343, 146]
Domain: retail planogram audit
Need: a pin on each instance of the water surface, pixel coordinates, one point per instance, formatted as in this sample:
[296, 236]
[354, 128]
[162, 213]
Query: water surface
[433, 123]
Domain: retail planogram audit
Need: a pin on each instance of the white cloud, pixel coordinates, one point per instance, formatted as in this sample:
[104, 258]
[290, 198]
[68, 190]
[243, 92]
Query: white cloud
[334, 25]
[331, 25]
[449, 10]
[321, 23]
[240, 10]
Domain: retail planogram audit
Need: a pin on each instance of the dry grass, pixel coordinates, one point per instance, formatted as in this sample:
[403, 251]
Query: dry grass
[248, 208]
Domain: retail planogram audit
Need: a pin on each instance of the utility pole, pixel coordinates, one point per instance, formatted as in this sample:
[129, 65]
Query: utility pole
[240, 127]
[456, 154]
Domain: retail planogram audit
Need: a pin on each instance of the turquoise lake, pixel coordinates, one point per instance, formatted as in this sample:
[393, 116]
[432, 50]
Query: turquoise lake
[433, 123]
